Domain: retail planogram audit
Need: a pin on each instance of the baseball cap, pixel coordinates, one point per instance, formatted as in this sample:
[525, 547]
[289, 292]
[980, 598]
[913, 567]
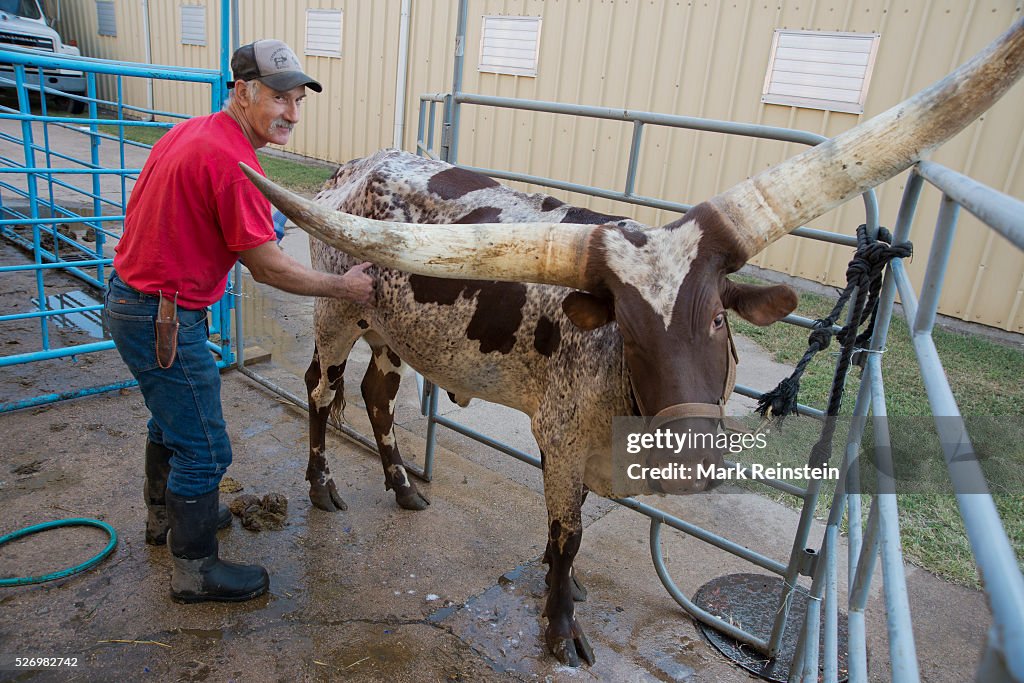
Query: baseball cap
[271, 62]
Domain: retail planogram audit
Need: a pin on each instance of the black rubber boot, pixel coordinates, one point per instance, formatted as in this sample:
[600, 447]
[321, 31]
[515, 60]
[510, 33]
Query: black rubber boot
[199, 575]
[158, 468]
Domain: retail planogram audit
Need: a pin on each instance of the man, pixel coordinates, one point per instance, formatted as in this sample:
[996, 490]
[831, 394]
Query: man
[191, 216]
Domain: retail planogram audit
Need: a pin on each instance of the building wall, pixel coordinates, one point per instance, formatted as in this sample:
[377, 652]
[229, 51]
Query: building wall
[672, 56]
[78, 22]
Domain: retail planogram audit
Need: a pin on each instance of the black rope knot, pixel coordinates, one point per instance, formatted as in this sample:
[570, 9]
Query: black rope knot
[821, 337]
[863, 277]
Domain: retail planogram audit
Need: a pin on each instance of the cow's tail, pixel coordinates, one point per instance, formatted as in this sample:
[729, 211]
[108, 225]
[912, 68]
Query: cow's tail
[337, 412]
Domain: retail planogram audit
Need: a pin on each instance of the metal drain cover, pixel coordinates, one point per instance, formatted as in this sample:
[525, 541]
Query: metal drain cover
[749, 601]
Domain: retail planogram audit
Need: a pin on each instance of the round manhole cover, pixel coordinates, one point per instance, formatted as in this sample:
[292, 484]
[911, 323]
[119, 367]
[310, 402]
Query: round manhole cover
[749, 601]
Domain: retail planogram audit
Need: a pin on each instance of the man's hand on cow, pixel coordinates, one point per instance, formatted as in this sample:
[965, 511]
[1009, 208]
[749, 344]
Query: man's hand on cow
[357, 286]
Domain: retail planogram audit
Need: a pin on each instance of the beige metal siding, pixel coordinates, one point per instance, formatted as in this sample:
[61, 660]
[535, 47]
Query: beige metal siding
[692, 58]
[78, 21]
[354, 115]
[166, 48]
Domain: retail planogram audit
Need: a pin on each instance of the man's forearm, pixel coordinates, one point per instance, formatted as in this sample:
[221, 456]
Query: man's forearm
[292, 277]
[270, 265]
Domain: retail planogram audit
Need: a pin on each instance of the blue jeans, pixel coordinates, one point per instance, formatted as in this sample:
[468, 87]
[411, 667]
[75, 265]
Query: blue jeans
[183, 400]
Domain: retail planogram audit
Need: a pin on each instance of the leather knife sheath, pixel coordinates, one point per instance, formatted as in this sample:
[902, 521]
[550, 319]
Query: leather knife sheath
[166, 331]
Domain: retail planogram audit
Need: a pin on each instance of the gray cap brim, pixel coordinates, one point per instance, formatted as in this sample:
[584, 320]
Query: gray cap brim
[286, 80]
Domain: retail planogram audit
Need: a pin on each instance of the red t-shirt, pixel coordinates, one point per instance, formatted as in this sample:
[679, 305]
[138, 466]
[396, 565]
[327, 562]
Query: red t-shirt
[191, 212]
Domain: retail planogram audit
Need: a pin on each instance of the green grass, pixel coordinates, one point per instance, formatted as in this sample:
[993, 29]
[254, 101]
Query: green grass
[296, 176]
[986, 380]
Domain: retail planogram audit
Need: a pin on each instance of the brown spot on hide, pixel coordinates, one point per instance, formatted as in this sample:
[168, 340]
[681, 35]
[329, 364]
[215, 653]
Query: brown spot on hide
[588, 217]
[499, 307]
[433, 290]
[334, 375]
[362, 324]
[312, 375]
[452, 183]
[550, 204]
[393, 357]
[637, 238]
[547, 336]
[484, 214]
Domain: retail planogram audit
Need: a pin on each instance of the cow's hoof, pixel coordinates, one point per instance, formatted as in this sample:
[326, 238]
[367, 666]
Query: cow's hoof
[572, 652]
[411, 500]
[327, 497]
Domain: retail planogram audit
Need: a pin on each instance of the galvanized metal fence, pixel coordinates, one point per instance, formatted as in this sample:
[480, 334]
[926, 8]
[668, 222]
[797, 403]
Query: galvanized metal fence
[33, 211]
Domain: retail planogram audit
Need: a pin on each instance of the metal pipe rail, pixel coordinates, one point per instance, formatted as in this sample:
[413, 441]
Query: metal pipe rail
[997, 565]
[425, 140]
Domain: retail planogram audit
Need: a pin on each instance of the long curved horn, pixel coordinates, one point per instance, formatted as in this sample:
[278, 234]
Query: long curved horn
[782, 198]
[547, 253]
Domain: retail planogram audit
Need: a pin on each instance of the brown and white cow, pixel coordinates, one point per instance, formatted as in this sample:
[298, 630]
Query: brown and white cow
[570, 316]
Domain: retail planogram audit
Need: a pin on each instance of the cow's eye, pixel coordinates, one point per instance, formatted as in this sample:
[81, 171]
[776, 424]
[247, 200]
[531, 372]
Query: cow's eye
[718, 322]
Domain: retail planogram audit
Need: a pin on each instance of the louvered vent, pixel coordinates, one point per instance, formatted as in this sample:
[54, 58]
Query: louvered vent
[510, 45]
[820, 70]
[105, 18]
[323, 32]
[193, 25]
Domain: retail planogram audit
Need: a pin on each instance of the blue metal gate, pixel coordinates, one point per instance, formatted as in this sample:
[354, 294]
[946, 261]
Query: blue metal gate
[48, 194]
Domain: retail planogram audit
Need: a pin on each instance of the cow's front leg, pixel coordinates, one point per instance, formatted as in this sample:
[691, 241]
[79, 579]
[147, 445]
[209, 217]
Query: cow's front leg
[564, 636]
[380, 387]
[579, 592]
[324, 390]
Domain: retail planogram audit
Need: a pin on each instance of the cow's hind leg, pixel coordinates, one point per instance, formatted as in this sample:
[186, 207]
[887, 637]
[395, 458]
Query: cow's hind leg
[380, 387]
[564, 636]
[324, 387]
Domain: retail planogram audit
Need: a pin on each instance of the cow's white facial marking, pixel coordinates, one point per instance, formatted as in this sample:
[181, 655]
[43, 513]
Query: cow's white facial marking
[657, 268]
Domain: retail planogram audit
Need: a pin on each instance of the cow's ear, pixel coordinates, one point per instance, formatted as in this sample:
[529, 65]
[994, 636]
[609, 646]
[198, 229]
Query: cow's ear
[760, 305]
[587, 311]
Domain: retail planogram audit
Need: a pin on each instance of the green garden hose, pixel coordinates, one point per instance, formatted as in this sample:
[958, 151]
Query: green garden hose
[78, 521]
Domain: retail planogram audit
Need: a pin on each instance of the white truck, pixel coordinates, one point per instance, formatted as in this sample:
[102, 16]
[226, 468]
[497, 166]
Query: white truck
[24, 24]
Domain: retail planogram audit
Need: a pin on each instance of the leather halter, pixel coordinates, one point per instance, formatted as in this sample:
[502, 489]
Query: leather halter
[715, 411]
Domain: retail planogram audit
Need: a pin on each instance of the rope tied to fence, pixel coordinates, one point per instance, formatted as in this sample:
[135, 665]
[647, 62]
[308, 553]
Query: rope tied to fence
[863, 276]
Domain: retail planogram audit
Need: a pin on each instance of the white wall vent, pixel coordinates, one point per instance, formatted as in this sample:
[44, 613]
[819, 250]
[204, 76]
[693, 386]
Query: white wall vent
[510, 45]
[323, 32]
[105, 18]
[193, 25]
[820, 69]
